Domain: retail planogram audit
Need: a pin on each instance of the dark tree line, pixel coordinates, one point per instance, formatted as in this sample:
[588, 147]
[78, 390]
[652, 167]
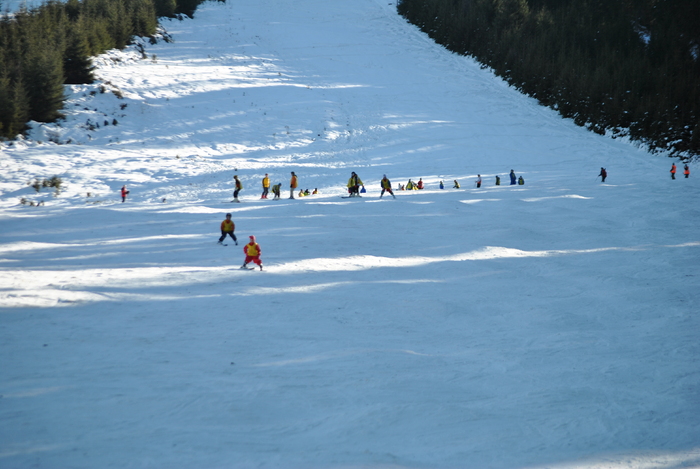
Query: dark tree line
[43, 48]
[630, 67]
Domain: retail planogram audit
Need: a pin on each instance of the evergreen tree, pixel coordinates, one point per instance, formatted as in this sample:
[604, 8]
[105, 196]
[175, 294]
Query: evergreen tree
[44, 82]
[77, 63]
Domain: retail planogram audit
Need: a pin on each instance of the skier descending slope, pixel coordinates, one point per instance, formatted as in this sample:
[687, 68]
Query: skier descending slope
[252, 253]
[386, 187]
[227, 228]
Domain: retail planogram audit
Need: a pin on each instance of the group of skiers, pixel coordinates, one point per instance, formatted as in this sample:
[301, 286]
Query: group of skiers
[251, 250]
[355, 186]
[686, 171]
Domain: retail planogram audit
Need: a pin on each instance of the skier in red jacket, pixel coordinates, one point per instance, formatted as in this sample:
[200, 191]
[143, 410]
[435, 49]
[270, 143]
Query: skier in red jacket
[252, 253]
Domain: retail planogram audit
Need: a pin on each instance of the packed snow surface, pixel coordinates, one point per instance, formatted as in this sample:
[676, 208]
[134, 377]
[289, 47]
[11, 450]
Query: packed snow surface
[553, 324]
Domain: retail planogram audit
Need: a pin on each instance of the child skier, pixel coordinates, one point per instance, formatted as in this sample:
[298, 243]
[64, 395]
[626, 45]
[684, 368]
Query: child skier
[252, 253]
[227, 228]
[276, 189]
[386, 187]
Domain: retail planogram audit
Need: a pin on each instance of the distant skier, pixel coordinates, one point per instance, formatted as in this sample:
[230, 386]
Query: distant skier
[603, 174]
[252, 253]
[293, 182]
[265, 186]
[410, 185]
[512, 177]
[315, 191]
[686, 171]
[673, 171]
[420, 185]
[386, 187]
[442, 185]
[521, 181]
[478, 181]
[276, 190]
[124, 193]
[238, 187]
[354, 184]
[498, 180]
[456, 186]
[227, 228]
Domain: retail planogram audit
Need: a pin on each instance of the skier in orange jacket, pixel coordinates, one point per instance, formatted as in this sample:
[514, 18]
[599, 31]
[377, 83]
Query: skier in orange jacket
[293, 185]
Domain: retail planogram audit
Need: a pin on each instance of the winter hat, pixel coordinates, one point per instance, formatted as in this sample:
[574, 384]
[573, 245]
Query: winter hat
[252, 238]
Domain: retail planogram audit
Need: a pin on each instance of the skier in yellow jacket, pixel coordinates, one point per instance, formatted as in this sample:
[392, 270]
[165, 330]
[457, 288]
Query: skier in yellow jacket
[354, 184]
[227, 228]
[265, 186]
[386, 187]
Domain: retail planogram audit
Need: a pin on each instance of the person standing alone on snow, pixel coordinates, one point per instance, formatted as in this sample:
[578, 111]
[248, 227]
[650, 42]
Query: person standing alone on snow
[293, 185]
[386, 187]
[686, 171]
[237, 188]
[124, 193]
[603, 174]
[266, 186]
[252, 253]
[478, 181]
[673, 171]
[227, 228]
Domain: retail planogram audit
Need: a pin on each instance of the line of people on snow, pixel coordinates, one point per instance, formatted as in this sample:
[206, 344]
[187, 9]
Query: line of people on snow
[356, 186]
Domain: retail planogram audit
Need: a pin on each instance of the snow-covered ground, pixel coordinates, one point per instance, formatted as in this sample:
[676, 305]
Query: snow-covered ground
[552, 325]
